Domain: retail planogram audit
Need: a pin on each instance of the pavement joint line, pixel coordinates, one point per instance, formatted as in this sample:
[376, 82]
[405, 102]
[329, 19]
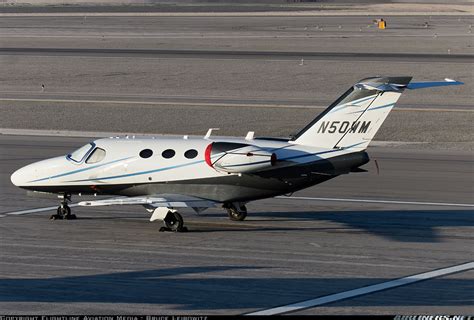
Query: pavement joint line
[375, 59]
[364, 290]
[241, 54]
[380, 201]
[214, 104]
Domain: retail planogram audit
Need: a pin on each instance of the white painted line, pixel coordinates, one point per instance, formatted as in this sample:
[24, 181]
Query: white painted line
[364, 290]
[381, 201]
[18, 213]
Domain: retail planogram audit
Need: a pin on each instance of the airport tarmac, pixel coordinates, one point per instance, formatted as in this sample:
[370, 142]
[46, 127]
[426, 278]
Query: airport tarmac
[272, 75]
[268, 74]
[113, 261]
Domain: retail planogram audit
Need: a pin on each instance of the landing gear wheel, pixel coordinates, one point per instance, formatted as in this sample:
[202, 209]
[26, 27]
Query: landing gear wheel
[63, 212]
[174, 222]
[237, 214]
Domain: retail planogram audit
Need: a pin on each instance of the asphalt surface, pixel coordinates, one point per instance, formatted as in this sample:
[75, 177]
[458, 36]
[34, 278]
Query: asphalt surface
[113, 261]
[145, 7]
[350, 34]
[432, 129]
[272, 75]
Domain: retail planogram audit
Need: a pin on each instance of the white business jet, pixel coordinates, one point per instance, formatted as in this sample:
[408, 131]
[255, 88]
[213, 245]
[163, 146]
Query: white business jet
[165, 174]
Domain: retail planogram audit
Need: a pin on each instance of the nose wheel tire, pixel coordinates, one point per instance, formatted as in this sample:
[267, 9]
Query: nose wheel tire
[63, 213]
[237, 214]
[173, 222]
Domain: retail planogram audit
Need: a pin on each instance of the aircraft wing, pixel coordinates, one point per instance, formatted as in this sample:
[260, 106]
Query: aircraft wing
[159, 200]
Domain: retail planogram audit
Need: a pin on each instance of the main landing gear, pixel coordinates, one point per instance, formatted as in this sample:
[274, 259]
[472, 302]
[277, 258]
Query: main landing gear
[64, 211]
[236, 211]
[171, 218]
[173, 222]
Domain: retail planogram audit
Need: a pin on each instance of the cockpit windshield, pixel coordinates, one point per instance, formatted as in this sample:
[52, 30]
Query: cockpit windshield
[80, 153]
[96, 156]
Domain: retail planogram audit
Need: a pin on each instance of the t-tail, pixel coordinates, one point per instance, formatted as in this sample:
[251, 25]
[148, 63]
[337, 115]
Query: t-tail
[353, 120]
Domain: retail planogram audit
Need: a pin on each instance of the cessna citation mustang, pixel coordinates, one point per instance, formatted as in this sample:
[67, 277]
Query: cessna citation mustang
[165, 174]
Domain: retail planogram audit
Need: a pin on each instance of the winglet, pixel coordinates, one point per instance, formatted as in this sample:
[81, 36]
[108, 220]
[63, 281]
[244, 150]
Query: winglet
[428, 84]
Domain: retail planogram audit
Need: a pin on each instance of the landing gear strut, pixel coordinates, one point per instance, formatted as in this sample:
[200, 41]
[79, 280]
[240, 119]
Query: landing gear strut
[236, 211]
[64, 211]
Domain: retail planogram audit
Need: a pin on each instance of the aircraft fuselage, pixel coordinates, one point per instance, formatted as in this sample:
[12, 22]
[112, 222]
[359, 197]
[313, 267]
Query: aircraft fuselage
[147, 166]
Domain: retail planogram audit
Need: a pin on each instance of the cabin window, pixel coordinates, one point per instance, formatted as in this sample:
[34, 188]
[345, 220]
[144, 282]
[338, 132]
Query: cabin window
[146, 153]
[79, 154]
[191, 154]
[96, 156]
[168, 153]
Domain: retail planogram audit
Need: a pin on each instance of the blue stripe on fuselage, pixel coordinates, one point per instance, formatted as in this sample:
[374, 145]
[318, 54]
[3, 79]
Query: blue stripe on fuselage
[79, 170]
[152, 171]
[201, 161]
[140, 173]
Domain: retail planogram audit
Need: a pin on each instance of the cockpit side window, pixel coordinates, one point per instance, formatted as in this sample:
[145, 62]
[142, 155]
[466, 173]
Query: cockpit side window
[96, 156]
[79, 154]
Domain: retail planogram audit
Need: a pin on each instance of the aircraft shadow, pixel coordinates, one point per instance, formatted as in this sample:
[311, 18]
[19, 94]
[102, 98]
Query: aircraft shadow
[399, 225]
[189, 288]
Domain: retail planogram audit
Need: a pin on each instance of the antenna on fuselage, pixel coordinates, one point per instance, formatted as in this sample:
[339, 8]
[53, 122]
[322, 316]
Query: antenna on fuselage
[209, 132]
[250, 135]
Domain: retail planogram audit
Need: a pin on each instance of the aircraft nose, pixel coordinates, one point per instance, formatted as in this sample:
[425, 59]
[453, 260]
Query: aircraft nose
[19, 177]
[29, 175]
[22, 176]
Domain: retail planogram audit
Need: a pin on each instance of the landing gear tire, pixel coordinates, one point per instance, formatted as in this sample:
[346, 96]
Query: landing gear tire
[173, 222]
[63, 212]
[237, 214]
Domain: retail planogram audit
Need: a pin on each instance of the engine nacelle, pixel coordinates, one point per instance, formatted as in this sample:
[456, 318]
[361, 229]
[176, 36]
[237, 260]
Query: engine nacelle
[238, 157]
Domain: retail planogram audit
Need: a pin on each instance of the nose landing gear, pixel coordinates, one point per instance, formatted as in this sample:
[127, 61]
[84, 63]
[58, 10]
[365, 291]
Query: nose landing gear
[64, 211]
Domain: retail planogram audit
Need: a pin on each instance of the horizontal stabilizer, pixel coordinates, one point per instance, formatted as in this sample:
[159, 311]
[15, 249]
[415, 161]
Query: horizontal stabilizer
[429, 84]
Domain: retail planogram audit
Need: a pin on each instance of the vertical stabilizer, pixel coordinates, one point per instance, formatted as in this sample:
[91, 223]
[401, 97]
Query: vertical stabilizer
[353, 120]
